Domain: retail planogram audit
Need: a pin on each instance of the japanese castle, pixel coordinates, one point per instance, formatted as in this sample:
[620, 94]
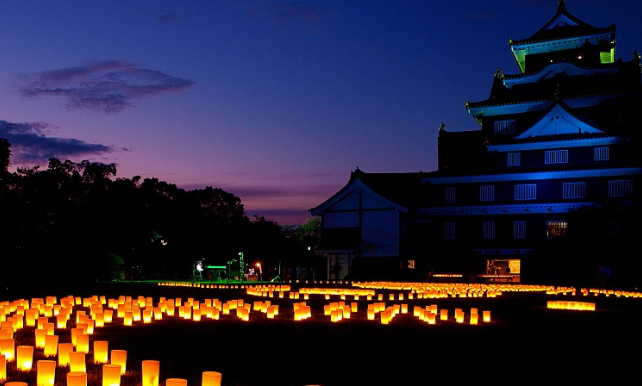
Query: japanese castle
[546, 190]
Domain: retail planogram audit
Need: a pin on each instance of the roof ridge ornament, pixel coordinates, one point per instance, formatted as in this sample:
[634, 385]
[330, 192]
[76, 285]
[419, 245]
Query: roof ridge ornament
[561, 7]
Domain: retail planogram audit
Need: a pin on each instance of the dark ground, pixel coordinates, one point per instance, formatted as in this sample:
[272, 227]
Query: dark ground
[525, 344]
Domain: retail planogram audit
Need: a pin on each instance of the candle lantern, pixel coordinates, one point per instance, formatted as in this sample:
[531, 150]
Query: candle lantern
[63, 353]
[16, 384]
[82, 343]
[211, 378]
[7, 348]
[24, 357]
[111, 375]
[176, 382]
[76, 378]
[150, 371]
[3, 368]
[40, 333]
[119, 357]
[77, 362]
[46, 373]
[101, 351]
[51, 345]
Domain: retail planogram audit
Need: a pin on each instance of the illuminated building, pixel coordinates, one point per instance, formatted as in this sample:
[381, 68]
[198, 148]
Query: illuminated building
[547, 188]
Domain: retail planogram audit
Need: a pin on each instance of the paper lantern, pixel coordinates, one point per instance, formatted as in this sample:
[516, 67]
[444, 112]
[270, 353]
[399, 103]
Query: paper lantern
[119, 357]
[111, 375]
[61, 320]
[40, 334]
[99, 319]
[76, 378]
[16, 384]
[30, 317]
[128, 318]
[51, 345]
[3, 368]
[82, 343]
[24, 358]
[150, 371]
[211, 378]
[109, 315]
[176, 382]
[63, 353]
[486, 316]
[7, 348]
[46, 373]
[101, 352]
[77, 362]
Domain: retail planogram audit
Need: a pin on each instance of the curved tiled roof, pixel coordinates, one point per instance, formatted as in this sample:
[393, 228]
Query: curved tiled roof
[562, 26]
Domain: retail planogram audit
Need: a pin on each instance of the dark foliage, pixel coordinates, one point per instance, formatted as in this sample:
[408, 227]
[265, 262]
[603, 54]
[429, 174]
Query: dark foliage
[78, 221]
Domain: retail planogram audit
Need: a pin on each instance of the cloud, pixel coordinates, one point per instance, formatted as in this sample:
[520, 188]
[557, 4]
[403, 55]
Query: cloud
[101, 86]
[283, 14]
[30, 144]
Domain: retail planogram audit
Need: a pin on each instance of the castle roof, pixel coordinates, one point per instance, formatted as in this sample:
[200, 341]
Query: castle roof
[561, 26]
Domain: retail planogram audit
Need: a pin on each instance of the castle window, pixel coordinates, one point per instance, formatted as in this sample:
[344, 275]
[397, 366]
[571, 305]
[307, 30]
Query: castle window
[601, 153]
[620, 188]
[488, 230]
[486, 193]
[513, 159]
[556, 157]
[519, 229]
[506, 127]
[574, 190]
[525, 192]
[556, 229]
[449, 231]
[449, 195]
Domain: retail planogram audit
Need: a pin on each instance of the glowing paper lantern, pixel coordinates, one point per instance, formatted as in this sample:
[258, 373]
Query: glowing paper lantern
[16, 384]
[30, 317]
[77, 362]
[119, 357]
[61, 320]
[109, 315]
[76, 378]
[7, 348]
[24, 358]
[486, 316]
[40, 333]
[46, 372]
[176, 382]
[63, 353]
[101, 351]
[3, 368]
[150, 371]
[212, 378]
[51, 345]
[82, 343]
[111, 375]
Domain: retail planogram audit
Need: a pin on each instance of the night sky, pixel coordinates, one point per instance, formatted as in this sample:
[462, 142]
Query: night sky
[274, 101]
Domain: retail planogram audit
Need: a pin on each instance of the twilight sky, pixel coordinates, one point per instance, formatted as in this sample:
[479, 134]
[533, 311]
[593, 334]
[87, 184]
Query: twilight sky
[275, 101]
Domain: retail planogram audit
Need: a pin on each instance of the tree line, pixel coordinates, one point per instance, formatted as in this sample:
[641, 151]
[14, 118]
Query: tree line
[79, 221]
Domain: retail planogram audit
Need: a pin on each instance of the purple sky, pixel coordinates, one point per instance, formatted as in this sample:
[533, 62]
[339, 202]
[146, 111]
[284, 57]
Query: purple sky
[273, 101]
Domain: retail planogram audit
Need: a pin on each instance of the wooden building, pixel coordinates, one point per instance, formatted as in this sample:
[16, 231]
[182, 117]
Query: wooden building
[546, 190]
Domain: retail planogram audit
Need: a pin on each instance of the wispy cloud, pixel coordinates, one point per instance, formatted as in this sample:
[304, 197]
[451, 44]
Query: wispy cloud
[31, 144]
[283, 14]
[101, 86]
